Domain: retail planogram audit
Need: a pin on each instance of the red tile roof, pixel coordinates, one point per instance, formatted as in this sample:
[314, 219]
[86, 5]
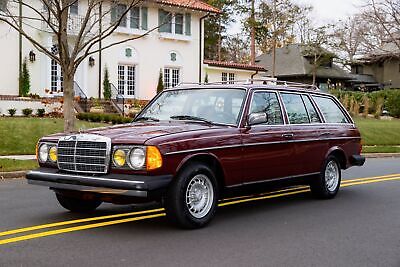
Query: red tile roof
[233, 65]
[190, 4]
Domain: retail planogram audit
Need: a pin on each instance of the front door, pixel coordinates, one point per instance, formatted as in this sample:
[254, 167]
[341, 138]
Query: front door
[126, 80]
[56, 78]
[268, 152]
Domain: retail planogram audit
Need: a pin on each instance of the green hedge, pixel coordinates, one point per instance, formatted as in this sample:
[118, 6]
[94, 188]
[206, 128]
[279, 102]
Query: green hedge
[388, 99]
[103, 117]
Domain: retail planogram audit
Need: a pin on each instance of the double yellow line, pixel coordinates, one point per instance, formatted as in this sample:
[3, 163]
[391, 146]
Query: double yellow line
[154, 213]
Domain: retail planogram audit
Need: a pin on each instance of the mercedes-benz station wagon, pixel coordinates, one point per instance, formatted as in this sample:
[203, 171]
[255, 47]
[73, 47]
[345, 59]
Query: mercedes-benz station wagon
[193, 142]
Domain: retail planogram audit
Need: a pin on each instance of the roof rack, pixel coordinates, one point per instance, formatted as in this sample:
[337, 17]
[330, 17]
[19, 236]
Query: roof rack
[265, 80]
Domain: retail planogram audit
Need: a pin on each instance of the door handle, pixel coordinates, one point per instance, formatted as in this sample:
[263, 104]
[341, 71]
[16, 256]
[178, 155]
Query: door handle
[287, 135]
[325, 134]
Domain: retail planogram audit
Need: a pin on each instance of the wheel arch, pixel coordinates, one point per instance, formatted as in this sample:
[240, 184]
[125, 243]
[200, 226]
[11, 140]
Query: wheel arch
[208, 158]
[339, 154]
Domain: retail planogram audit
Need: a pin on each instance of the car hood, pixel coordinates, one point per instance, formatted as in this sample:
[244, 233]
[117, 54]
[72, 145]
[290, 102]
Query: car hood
[139, 133]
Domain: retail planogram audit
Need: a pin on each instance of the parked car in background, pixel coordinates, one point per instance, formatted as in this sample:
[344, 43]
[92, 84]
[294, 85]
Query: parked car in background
[191, 143]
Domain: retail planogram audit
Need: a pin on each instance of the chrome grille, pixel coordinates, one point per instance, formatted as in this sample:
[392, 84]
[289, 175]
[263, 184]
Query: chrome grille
[84, 153]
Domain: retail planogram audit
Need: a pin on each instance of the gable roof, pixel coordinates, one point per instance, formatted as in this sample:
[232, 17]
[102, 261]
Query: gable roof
[232, 65]
[190, 4]
[291, 60]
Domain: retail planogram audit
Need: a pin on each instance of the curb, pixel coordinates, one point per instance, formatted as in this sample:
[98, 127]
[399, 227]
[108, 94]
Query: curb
[11, 175]
[381, 155]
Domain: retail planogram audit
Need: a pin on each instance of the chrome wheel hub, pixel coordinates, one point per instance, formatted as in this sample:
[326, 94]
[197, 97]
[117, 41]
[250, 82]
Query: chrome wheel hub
[332, 174]
[199, 196]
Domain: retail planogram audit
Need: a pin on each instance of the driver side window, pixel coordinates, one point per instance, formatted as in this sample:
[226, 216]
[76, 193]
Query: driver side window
[267, 105]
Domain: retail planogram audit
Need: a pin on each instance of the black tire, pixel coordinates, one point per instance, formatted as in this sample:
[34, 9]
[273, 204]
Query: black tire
[77, 205]
[177, 208]
[320, 187]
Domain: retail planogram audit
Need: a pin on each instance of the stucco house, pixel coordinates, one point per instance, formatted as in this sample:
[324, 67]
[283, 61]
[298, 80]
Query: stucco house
[175, 49]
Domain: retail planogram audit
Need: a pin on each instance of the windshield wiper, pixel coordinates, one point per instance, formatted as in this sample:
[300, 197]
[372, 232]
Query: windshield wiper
[191, 118]
[146, 119]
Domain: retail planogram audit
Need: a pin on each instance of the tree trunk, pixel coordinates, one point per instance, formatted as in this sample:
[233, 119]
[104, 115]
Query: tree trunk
[68, 107]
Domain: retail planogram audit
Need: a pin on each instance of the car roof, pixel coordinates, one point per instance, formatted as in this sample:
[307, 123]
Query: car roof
[252, 86]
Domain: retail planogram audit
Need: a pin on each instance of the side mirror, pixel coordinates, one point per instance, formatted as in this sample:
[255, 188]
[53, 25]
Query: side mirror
[257, 118]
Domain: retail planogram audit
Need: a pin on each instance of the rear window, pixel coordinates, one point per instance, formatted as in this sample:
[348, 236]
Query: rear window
[331, 111]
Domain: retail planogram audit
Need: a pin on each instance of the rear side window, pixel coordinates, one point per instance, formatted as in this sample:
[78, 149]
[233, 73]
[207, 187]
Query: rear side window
[267, 102]
[331, 111]
[295, 109]
[312, 113]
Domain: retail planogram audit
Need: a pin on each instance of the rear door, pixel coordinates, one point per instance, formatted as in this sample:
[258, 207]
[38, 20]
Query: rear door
[267, 150]
[307, 129]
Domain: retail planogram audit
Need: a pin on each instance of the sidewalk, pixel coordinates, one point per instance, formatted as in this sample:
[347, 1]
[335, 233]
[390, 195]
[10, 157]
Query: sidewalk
[19, 157]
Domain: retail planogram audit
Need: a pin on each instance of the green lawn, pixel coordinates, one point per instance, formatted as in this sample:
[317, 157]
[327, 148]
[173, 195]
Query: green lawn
[379, 132]
[8, 165]
[19, 135]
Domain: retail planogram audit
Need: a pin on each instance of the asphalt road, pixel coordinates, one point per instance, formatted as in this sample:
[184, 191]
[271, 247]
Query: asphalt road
[360, 227]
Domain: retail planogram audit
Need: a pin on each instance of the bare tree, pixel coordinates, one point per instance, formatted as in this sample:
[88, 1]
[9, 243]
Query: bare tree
[313, 48]
[100, 19]
[237, 48]
[275, 24]
[385, 14]
[348, 37]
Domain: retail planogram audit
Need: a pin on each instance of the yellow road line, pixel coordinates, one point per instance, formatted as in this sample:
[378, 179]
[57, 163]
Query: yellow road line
[49, 225]
[370, 178]
[271, 195]
[77, 228]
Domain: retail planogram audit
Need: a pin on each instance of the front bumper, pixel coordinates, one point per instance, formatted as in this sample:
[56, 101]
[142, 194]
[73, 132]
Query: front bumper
[118, 184]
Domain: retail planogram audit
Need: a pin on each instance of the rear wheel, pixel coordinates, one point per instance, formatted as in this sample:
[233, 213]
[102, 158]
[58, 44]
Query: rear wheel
[326, 185]
[76, 204]
[192, 197]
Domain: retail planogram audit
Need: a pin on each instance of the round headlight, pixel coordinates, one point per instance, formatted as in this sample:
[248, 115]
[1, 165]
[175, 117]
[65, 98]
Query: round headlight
[53, 153]
[137, 158]
[119, 158]
[43, 153]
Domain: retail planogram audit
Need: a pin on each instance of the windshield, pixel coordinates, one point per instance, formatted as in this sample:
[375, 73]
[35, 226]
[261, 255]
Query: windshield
[207, 105]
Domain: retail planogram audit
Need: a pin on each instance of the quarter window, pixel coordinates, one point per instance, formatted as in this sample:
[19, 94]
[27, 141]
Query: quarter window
[331, 111]
[267, 103]
[295, 109]
[312, 113]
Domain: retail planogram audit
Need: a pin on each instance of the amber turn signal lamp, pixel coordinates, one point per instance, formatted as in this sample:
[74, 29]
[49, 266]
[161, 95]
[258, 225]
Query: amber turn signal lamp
[153, 158]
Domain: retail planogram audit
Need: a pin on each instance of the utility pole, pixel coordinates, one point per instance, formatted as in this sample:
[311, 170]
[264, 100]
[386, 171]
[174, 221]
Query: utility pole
[274, 39]
[20, 48]
[252, 34]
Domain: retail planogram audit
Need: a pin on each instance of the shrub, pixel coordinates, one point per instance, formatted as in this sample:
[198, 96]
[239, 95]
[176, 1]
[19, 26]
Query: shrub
[24, 80]
[40, 112]
[101, 117]
[106, 84]
[393, 105]
[27, 112]
[12, 111]
[160, 85]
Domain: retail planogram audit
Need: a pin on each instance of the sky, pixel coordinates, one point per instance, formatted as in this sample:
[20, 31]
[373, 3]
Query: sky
[332, 10]
[324, 11]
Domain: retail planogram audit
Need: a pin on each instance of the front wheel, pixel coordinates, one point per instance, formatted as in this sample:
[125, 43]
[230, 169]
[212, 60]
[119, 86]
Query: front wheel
[77, 205]
[326, 185]
[192, 197]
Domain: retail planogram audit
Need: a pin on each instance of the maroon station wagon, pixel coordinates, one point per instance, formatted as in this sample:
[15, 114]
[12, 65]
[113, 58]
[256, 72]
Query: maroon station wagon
[192, 143]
